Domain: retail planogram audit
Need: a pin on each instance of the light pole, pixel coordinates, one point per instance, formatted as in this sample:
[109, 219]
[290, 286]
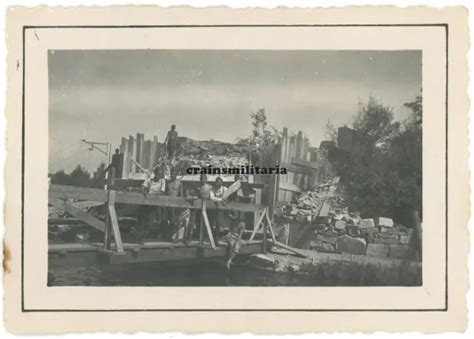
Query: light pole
[102, 147]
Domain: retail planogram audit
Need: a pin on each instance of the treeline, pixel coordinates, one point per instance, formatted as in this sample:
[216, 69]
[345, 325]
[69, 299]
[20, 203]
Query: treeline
[79, 176]
[381, 170]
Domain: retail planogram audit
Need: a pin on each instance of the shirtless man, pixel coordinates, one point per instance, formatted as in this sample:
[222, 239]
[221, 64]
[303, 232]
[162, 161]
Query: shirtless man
[234, 237]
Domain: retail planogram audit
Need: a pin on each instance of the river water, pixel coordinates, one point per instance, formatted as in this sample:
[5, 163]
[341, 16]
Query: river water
[205, 274]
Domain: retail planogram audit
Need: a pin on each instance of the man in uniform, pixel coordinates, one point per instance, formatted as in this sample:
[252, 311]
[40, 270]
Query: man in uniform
[171, 142]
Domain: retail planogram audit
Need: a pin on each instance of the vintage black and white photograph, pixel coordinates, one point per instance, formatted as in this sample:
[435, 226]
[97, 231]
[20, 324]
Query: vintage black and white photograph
[236, 171]
[235, 168]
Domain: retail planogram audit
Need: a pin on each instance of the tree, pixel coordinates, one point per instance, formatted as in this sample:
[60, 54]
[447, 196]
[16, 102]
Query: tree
[331, 131]
[98, 178]
[60, 178]
[374, 121]
[381, 173]
[264, 137]
[78, 177]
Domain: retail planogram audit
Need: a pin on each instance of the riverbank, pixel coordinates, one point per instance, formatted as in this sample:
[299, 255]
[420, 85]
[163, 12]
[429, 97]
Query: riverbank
[333, 269]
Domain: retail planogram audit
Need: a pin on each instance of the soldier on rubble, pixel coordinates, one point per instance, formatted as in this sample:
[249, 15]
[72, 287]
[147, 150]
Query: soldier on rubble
[171, 142]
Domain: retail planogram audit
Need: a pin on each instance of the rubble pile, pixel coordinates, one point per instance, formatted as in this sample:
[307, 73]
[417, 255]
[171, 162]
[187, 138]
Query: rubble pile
[348, 233]
[199, 148]
[307, 206]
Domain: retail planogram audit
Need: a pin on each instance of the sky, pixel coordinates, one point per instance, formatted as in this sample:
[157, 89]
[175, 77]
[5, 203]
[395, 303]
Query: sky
[102, 95]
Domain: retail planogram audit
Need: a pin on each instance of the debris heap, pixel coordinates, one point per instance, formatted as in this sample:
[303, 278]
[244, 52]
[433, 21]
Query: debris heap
[329, 227]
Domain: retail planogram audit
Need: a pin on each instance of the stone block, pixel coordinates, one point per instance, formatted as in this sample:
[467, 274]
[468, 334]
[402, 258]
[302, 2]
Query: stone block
[327, 239]
[371, 230]
[388, 236]
[341, 232]
[364, 223]
[329, 233]
[262, 260]
[398, 251]
[391, 230]
[351, 245]
[377, 250]
[404, 239]
[353, 231]
[339, 224]
[320, 227]
[403, 229]
[293, 268]
[386, 222]
[320, 245]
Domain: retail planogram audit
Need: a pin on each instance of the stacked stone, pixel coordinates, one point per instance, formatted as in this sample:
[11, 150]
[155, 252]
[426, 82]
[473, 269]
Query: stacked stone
[388, 240]
[350, 234]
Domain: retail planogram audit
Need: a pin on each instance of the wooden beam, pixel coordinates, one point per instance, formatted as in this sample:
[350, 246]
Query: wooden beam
[77, 193]
[299, 144]
[146, 154]
[153, 147]
[270, 227]
[289, 187]
[140, 140]
[78, 213]
[295, 168]
[304, 163]
[291, 249]
[256, 226]
[135, 198]
[208, 226]
[132, 153]
[113, 221]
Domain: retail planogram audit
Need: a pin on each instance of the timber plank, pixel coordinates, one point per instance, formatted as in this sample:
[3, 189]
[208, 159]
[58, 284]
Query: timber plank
[136, 198]
[77, 193]
[78, 213]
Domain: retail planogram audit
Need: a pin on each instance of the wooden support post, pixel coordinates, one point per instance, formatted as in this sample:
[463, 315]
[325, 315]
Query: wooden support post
[264, 242]
[270, 227]
[257, 224]
[140, 140]
[126, 161]
[112, 176]
[107, 232]
[208, 226]
[201, 223]
[132, 153]
[153, 148]
[113, 222]
[146, 154]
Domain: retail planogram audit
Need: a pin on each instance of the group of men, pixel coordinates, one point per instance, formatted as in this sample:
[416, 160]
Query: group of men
[178, 224]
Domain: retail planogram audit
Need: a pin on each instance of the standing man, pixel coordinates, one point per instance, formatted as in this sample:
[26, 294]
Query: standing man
[114, 164]
[171, 142]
